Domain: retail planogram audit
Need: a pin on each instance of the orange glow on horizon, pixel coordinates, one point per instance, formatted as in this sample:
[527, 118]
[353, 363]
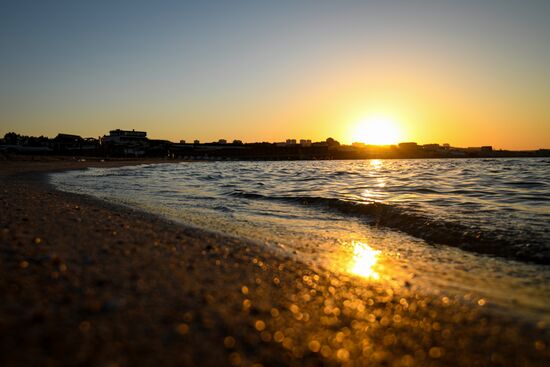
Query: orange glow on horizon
[377, 130]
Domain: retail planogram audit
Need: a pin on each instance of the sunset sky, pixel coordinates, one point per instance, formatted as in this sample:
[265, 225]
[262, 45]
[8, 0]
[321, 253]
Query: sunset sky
[467, 73]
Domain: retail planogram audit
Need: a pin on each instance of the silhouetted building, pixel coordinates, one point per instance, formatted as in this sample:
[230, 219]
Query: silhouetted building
[408, 146]
[125, 136]
[63, 143]
[67, 139]
[125, 143]
[431, 147]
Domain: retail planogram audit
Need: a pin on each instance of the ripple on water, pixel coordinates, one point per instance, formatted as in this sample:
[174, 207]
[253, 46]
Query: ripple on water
[318, 210]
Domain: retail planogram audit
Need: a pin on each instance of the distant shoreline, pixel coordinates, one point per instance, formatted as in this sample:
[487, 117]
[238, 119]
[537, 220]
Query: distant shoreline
[89, 161]
[130, 143]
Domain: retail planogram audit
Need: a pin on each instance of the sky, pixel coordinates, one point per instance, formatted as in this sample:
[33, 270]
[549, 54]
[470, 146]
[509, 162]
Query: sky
[467, 73]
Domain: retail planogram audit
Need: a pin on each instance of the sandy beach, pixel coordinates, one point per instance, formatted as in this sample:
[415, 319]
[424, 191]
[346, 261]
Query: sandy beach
[86, 282]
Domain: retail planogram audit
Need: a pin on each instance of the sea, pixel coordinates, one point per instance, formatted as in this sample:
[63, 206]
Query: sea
[476, 228]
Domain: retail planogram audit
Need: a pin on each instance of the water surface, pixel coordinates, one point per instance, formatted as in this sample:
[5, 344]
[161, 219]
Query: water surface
[429, 224]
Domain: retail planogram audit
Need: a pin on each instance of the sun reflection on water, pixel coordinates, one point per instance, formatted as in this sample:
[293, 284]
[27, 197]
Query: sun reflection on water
[364, 260]
[376, 163]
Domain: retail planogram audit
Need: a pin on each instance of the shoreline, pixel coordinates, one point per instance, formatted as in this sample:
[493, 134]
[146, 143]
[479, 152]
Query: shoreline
[95, 283]
[419, 225]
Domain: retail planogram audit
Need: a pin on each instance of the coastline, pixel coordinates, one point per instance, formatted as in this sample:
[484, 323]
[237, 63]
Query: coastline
[94, 283]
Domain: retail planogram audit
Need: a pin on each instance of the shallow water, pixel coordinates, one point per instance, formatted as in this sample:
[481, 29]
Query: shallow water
[402, 221]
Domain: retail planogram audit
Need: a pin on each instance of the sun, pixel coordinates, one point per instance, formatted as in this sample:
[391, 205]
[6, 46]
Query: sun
[377, 130]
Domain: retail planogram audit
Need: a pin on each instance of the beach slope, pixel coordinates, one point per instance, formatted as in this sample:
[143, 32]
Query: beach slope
[85, 282]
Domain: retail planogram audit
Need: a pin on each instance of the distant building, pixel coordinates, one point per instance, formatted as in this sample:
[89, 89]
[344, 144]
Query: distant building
[126, 142]
[305, 142]
[182, 142]
[222, 141]
[431, 147]
[196, 142]
[125, 136]
[67, 139]
[290, 141]
[408, 146]
[347, 148]
[446, 146]
[237, 142]
[484, 149]
[67, 142]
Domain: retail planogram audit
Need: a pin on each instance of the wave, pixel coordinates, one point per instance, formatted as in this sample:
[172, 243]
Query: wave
[434, 231]
[526, 183]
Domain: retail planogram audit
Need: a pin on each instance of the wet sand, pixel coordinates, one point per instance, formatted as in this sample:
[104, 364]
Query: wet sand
[85, 282]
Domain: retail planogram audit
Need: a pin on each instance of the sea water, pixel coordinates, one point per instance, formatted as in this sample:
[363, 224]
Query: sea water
[476, 227]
